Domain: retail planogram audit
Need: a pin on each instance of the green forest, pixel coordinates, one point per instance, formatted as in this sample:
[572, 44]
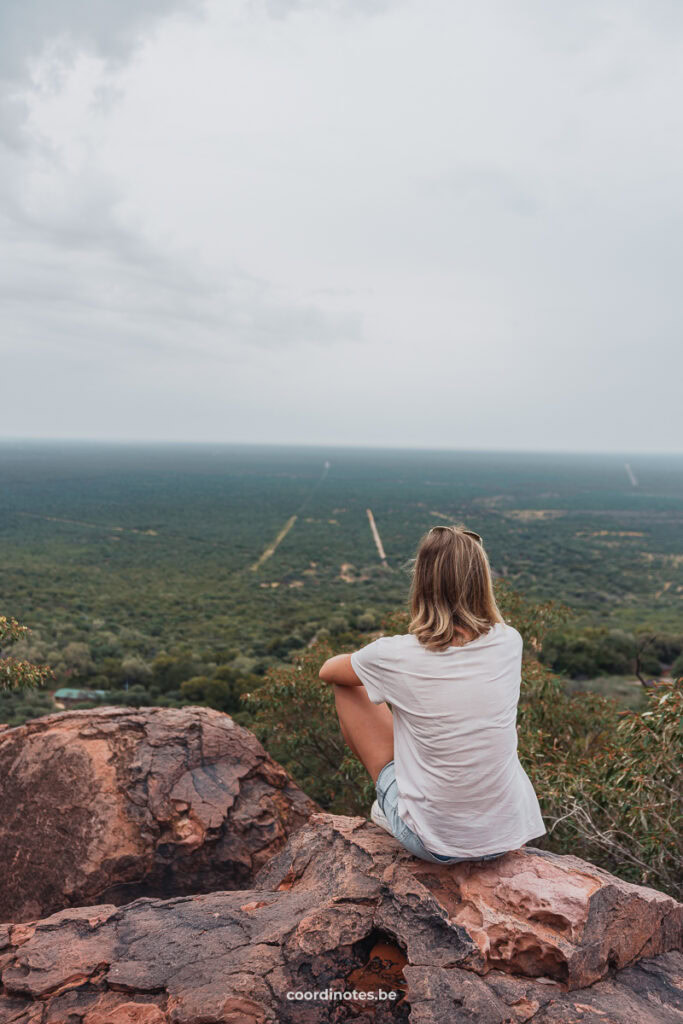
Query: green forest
[225, 575]
[147, 572]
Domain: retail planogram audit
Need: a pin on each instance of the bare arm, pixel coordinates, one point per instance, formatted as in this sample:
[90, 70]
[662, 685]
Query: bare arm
[338, 670]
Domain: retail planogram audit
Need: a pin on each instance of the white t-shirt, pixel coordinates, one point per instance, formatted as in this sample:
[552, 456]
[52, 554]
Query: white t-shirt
[461, 786]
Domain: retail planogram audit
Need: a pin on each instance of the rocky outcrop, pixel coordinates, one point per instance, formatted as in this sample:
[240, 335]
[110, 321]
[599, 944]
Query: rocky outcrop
[116, 803]
[529, 913]
[342, 909]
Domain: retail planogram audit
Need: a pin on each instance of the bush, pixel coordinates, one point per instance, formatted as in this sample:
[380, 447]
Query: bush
[169, 671]
[221, 691]
[608, 781]
[293, 714]
[594, 652]
[16, 674]
[18, 706]
[677, 667]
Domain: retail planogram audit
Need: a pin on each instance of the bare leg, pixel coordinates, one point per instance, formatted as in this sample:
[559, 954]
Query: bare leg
[367, 728]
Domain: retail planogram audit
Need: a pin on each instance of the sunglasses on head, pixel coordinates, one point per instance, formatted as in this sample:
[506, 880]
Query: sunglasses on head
[454, 529]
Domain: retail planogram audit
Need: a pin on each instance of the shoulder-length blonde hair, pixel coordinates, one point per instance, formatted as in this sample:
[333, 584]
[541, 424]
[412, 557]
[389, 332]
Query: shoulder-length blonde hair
[451, 588]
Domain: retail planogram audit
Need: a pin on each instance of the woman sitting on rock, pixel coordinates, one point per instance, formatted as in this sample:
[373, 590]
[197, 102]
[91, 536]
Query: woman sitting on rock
[444, 761]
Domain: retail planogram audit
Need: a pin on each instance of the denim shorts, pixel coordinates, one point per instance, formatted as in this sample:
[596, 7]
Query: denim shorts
[387, 798]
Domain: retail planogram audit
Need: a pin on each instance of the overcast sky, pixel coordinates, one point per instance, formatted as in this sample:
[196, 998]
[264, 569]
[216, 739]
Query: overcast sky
[387, 222]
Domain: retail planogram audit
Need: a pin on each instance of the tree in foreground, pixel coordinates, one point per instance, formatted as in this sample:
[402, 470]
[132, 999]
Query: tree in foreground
[14, 673]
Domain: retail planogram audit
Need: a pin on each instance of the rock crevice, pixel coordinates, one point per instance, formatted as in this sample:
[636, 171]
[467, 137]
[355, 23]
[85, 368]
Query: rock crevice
[188, 808]
[343, 907]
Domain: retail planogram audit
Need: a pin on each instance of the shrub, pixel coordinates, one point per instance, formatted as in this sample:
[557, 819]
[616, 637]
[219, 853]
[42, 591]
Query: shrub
[608, 781]
[15, 674]
[221, 691]
[293, 714]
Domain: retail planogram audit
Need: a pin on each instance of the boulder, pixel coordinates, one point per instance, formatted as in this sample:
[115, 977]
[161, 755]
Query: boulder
[343, 909]
[110, 804]
[530, 912]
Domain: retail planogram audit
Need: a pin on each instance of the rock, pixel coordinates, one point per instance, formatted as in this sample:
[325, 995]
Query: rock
[341, 908]
[111, 804]
[530, 913]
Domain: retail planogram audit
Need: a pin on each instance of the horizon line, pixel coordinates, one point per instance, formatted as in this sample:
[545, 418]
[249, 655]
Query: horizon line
[318, 446]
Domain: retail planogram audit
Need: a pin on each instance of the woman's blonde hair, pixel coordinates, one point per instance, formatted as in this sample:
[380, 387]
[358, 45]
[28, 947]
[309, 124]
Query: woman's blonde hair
[451, 588]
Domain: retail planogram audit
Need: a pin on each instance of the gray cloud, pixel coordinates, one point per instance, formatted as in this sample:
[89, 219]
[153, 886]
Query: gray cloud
[82, 267]
[378, 222]
[84, 278]
[111, 30]
[486, 188]
[341, 8]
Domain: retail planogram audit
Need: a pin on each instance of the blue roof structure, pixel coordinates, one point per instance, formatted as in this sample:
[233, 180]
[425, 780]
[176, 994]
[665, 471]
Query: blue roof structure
[67, 694]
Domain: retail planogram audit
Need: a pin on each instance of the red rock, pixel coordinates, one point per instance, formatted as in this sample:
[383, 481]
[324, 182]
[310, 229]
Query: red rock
[108, 1012]
[343, 907]
[537, 913]
[110, 804]
[530, 912]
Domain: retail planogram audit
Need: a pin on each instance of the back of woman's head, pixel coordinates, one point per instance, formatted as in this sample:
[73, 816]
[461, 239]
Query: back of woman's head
[451, 590]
